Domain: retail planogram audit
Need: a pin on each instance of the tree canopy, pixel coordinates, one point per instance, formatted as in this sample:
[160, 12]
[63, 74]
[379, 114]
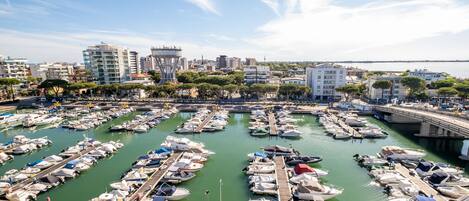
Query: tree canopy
[9, 82]
[414, 84]
[56, 85]
[348, 90]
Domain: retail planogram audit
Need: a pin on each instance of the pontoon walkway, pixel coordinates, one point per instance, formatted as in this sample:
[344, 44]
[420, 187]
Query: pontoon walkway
[155, 178]
[201, 126]
[424, 187]
[284, 191]
[51, 169]
[272, 124]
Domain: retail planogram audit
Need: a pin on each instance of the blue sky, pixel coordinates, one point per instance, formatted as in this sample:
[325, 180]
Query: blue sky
[57, 30]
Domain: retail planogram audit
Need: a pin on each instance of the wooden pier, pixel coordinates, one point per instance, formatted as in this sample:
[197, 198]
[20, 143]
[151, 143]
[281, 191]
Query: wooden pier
[155, 178]
[50, 169]
[207, 119]
[284, 192]
[424, 187]
[347, 128]
[272, 124]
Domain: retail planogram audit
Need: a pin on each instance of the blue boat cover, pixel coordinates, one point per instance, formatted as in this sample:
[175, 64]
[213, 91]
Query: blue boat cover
[6, 114]
[162, 150]
[260, 154]
[71, 164]
[423, 198]
[33, 163]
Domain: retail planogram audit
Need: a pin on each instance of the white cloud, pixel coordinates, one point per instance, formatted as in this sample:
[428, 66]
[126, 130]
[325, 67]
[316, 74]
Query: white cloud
[67, 47]
[323, 29]
[221, 37]
[272, 4]
[206, 5]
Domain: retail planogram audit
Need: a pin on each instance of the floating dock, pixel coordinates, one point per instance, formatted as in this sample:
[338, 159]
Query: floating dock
[272, 124]
[155, 178]
[201, 126]
[424, 187]
[284, 192]
[50, 169]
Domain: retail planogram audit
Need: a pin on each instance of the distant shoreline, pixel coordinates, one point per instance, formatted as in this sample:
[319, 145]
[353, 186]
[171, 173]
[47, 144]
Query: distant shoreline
[383, 61]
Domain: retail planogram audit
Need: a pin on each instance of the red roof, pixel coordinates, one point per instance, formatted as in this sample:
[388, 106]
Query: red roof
[302, 168]
[139, 75]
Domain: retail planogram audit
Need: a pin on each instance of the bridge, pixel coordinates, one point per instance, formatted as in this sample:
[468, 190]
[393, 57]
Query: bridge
[432, 124]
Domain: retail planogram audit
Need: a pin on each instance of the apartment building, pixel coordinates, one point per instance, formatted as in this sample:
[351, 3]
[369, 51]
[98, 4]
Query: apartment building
[256, 74]
[14, 68]
[108, 63]
[324, 79]
[397, 91]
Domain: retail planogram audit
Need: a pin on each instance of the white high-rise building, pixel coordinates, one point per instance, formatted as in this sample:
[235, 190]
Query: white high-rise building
[324, 79]
[148, 63]
[109, 64]
[134, 63]
[184, 64]
[14, 68]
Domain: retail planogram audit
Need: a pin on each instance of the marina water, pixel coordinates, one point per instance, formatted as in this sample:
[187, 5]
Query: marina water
[231, 146]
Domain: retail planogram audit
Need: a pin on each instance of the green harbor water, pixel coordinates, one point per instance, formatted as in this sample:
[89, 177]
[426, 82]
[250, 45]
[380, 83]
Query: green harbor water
[231, 147]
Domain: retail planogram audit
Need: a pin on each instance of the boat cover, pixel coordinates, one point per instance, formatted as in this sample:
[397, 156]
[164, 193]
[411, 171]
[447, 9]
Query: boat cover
[34, 163]
[302, 168]
[162, 150]
[260, 154]
[310, 186]
[425, 166]
[423, 198]
[438, 177]
[71, 164]
[50, 179]
[276, 148]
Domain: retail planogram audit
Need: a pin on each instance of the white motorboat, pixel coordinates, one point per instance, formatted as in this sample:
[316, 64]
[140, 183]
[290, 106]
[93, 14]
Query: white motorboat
[168, 192]
[453, 191]
[135, 175]
[5, 157]
[49, 120]
[264, 189]
[122, 185]
[194, 157]
[291, 133]
[445, 179]
[367, 160]
[398, 153]
[33, 119]
[303, 177]
[310, 190]
[262, 178]
[53, 159]
[186, 165]
[64, 172]
[260, 169]
[21, 195]
[426, 168]
[355, 121]
[178, 177]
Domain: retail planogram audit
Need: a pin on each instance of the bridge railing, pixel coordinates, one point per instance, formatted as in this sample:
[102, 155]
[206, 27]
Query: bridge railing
[448, 125]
